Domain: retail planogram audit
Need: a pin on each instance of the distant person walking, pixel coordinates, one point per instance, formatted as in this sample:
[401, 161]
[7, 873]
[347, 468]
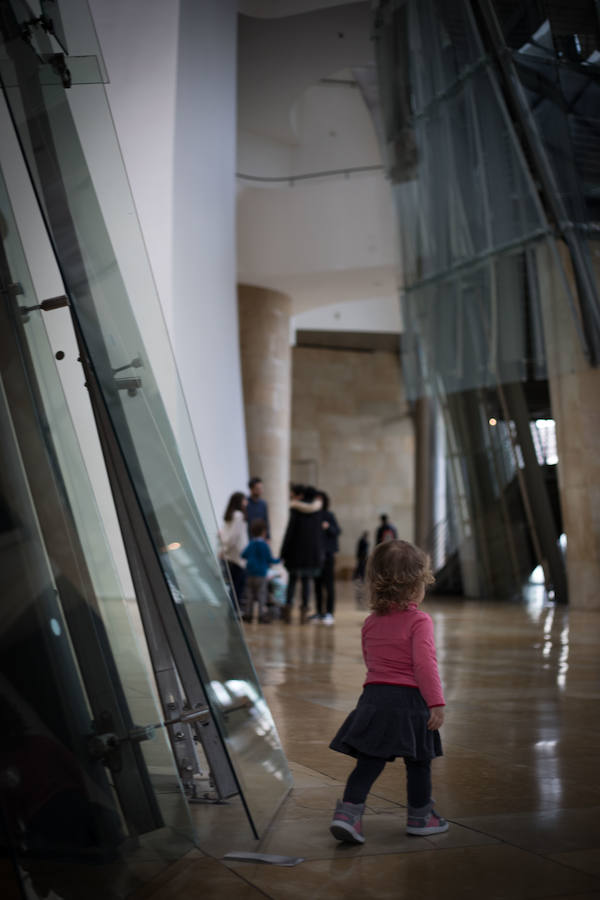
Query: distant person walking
[325, 582]
[234, 538]
[358, 576]
[386, 531]
[258, 559]
[257, 507]
[362, 552]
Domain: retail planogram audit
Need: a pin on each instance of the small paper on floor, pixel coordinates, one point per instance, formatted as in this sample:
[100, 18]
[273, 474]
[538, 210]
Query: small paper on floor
[269, 858]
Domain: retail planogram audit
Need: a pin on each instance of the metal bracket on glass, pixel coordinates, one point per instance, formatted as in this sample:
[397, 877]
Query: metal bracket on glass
[28, 30]
[12, 290]
[43, 22]
[107, 746]
[200, 715]
[136, 363]
[46, 305]
[58, 63]
[131, 385]
[184, 727]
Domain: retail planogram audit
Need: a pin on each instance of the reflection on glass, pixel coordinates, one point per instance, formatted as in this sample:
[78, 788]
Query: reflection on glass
[110, 293]
[76, 785]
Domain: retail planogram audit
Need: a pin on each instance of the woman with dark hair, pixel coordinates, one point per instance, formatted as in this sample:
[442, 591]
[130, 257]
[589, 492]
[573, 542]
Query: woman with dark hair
[234, 539]
[302, 548]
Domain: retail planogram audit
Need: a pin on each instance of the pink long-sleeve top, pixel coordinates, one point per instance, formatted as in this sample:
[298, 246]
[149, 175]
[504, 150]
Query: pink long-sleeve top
[398, 648]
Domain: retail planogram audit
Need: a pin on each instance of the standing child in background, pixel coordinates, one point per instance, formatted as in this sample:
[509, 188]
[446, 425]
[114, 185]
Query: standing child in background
[258, 559]
[402, 705]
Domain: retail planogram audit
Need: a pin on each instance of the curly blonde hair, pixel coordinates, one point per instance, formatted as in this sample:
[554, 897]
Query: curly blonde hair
[396, 571]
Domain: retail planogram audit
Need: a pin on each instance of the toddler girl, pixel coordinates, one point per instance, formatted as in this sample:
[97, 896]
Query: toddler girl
[402, 705]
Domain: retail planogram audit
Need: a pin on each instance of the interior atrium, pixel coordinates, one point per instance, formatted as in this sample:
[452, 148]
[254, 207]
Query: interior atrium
[350, 248]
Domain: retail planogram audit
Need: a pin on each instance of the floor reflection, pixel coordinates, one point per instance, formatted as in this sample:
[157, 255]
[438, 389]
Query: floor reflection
[518, 781]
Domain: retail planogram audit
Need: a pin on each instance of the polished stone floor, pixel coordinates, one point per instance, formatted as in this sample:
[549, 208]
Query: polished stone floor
[519, 781]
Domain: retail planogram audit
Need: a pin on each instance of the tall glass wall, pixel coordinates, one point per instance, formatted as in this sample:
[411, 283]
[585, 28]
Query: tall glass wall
[488, 116]
[87, 775]
[88, 696]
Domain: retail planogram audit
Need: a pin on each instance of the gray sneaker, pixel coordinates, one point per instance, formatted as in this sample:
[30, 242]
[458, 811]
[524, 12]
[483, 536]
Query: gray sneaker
[429, 823]
[346, 824]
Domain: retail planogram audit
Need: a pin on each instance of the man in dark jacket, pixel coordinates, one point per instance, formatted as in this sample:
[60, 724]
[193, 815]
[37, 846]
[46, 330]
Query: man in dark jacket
[302, 549]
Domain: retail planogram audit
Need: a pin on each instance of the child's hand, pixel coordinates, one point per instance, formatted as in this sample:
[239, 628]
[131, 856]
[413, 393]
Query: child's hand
[436, 718]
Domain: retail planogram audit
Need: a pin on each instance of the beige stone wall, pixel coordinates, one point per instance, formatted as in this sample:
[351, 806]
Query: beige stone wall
[574, 389]
[352, 434]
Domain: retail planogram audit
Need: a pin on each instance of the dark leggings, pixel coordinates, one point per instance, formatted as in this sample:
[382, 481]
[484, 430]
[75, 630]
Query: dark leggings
[326, 580]
[291, 589]
[369, 768]
[238, 579]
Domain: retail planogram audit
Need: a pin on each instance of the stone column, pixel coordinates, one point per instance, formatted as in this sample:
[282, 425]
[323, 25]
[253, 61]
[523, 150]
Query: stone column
[264, 321]
[574, 391]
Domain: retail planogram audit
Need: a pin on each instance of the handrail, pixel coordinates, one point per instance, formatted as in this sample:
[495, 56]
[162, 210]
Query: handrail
[308, 175]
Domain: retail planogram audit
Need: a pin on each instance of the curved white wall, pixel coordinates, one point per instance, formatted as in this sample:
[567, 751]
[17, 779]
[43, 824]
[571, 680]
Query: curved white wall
[172, 92]
[378, 314]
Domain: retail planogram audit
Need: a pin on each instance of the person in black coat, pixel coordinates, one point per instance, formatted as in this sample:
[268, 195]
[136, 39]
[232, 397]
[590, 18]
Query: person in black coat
[330, 531]
[302, 549]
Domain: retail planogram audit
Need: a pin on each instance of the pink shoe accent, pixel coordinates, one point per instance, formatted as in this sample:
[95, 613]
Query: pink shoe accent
[430, 824]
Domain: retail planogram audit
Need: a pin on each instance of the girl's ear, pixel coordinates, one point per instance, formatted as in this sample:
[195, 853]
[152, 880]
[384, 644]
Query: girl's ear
[417, 595]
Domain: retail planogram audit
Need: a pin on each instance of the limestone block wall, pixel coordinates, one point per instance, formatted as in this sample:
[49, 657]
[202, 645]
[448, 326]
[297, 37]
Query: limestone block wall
[352, 434]
[574, 389]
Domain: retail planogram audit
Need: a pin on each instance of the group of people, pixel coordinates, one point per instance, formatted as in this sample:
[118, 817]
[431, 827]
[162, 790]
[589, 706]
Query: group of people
[245, 549]
[307, 552]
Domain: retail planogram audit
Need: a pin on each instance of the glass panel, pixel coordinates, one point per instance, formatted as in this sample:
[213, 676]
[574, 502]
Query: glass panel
[70, 664]
[469, 231]
[465, 204]
[510, 318]
[121, 618]
[150, 432]
[514, 208]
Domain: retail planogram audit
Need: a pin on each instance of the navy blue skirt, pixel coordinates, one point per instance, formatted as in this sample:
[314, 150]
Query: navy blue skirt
[390, 720]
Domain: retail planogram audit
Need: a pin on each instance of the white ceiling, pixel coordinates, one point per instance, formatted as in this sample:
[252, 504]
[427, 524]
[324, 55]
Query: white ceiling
[332, 240]
[279, 58]
[276, 9]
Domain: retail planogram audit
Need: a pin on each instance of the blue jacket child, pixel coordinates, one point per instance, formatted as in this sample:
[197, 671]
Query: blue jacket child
[258, 555]
[258, 559]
